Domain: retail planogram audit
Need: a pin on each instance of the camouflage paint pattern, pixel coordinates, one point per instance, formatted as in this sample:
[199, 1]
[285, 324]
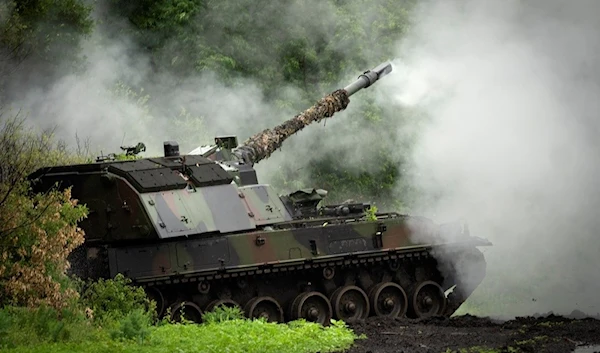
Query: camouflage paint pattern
[221, 208]
[208, 223]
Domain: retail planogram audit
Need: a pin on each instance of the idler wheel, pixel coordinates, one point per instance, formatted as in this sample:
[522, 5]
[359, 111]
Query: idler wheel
[313, 307]
[221, 302]
[388, 299]
[187, 310]
[265, 307]
[350, 303]
[428, 299]
[155, 294]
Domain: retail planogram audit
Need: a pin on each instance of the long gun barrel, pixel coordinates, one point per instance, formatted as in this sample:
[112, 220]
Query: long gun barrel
[368, 78]
[263, 144]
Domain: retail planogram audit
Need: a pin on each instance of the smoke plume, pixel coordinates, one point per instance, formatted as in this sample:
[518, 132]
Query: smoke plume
[104, 103]
[510, 142]
[501, 97]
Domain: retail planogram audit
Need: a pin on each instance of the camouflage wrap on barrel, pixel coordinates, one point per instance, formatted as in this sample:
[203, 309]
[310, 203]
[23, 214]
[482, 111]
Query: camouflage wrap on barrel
[263, 144]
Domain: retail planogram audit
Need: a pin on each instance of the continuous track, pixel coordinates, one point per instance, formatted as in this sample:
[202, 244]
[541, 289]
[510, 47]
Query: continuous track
[398, 282]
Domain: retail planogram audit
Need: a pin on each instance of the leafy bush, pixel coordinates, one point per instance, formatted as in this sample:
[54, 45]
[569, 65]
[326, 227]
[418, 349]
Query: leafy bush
[37, 233]
[115, 299]
[108, 309]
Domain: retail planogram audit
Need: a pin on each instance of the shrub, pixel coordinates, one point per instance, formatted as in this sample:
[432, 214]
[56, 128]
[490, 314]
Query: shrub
[135, 325]
[37, 232]
[115, 299]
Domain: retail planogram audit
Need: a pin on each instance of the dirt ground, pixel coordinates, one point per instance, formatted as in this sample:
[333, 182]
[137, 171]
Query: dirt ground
[547, 333]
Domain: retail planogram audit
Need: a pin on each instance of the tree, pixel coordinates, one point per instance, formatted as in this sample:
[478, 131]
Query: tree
[37, 232]
[42, 34]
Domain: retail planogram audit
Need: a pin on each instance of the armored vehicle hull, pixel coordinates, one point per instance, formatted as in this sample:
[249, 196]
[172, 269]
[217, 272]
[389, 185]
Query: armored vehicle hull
[181, 228]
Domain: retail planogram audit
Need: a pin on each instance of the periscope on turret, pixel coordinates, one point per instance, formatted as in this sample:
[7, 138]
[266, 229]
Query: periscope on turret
[260, 146]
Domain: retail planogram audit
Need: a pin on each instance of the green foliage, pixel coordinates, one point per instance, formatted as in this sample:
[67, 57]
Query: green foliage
[45, 33]
[371, 213]
[163, 15]
[115, 299]
[255, 336]
[222, 313]
[28, 327]
[37, 232]
[224, 329]
[372, 181]
[135, 325]
[5, 324]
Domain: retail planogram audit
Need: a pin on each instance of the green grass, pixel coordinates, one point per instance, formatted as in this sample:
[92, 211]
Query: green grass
[229, 336]
[218, 333]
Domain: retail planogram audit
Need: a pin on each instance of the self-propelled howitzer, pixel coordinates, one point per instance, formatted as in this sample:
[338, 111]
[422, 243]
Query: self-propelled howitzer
[198, 232]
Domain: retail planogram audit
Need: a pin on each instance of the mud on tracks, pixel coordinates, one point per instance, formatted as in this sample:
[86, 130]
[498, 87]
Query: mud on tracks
[549, 333]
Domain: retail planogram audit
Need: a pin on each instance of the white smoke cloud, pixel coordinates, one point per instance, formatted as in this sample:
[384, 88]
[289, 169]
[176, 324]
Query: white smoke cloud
[86, 103]
[93, 105]
[510, 142]
[103, 103]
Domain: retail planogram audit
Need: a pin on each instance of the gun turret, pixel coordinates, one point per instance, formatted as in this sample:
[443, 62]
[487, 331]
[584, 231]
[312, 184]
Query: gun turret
[263, 144]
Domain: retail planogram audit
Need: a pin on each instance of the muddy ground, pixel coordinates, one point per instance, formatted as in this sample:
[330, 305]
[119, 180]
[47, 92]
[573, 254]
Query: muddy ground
[547, 333]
